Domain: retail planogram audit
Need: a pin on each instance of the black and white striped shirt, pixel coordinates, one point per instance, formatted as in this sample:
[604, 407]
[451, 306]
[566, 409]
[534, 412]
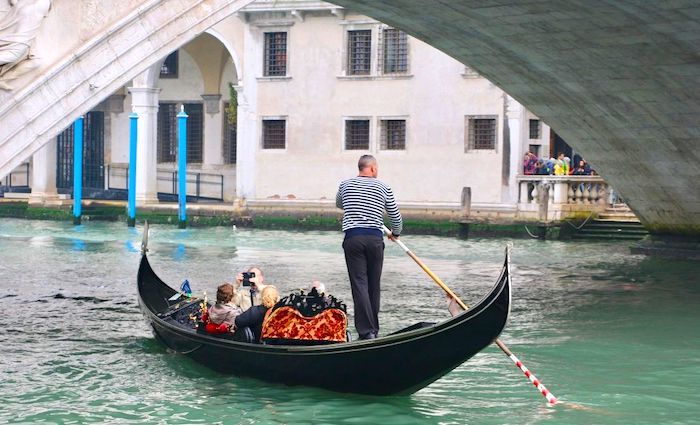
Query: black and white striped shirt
[364, 200]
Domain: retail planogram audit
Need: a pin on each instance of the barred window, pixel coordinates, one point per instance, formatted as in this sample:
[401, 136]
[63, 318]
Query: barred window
[274, 134]
[275, 57]
[359, 52]
[195, 132]
[394, 51]
[534, 129]
[167, 134]
[357, 134]
[229, 139]
[481, 133]
[393, 134]
[169, 67]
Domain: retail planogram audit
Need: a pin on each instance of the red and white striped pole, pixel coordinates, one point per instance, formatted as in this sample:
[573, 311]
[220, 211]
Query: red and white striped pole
[551, 399]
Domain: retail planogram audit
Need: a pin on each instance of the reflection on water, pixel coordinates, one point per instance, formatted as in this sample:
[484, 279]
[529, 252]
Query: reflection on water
[599, 326]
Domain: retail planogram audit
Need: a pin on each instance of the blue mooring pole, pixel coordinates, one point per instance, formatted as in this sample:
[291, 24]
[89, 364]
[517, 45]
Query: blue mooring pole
[182, 168]
[77, 170]
[133, 138]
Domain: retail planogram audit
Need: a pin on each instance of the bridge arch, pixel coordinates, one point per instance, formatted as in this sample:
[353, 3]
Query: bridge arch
[618, 82]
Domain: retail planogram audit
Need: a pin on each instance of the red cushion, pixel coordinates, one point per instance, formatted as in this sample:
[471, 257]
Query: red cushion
[287, 323]
[213, 328]
[216, 329]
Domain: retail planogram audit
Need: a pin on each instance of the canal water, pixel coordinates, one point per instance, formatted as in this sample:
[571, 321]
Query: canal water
[614, 333]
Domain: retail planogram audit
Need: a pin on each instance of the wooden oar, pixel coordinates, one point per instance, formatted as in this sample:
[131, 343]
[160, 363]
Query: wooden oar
[551, 399]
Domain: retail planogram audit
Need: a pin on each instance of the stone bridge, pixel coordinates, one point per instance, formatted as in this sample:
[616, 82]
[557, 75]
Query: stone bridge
[618, 80]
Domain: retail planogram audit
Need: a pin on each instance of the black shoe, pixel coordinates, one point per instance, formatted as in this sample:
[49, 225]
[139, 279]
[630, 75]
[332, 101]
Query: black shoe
[369, 335]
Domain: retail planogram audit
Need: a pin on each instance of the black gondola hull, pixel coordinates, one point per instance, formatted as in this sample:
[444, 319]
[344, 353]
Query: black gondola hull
[399, 363]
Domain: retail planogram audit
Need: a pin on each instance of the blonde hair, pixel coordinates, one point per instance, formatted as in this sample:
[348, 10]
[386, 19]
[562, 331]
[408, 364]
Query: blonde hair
[269, 295]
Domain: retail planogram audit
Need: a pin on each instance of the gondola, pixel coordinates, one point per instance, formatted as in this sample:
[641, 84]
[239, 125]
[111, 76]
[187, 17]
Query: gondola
[399, 363]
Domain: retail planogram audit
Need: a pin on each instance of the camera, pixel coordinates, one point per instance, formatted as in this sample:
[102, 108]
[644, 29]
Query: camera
[246, 278]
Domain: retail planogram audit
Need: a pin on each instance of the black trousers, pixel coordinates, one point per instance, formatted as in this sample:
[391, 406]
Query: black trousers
[364, 256]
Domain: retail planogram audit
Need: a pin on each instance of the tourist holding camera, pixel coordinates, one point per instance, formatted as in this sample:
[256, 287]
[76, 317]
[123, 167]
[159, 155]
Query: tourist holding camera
[250, 285]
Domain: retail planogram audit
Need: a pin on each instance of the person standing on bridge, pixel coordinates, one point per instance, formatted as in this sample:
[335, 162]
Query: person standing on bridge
[364, 199]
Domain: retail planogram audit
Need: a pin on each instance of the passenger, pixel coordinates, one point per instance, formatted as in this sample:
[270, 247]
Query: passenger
[319, 286]
[249, 295]
[318, 296]
[224, 311]
[253, 317]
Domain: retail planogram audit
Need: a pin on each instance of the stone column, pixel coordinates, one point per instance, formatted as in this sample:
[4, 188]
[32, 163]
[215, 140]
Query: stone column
[515, 120]
[246, 148]
[144, 101]
[213, 129]
[44, 175]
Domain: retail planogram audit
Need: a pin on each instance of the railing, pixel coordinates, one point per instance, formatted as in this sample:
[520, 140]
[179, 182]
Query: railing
[200, 185]
[554, 197]
[18, 178]
[117, 177]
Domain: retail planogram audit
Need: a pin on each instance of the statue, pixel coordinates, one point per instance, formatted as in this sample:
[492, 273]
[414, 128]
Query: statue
[18, 28]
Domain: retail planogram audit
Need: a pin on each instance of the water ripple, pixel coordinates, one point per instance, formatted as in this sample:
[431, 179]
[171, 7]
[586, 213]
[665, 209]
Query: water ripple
[612, 331]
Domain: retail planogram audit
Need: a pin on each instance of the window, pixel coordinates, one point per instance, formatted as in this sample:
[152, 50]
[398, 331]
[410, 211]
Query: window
[359, 52]
[481, 133]
[275, 60]
[229, 141]
[357, 134]
[394, 51]
[169, 67]
[195, 132]
[93, 153]
[167, 142]
[274, 134]
[534, 129]
[392, 134]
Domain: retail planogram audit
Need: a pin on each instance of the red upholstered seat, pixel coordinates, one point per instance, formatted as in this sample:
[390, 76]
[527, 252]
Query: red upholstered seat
[286, 323]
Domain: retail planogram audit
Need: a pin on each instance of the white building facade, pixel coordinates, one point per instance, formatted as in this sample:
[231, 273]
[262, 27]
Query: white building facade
[282, 100]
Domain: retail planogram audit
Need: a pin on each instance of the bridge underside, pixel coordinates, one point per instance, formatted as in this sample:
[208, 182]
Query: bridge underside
[619, 81]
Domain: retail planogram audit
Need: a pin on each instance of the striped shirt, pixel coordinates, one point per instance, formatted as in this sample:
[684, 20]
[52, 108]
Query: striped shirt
[364, 200]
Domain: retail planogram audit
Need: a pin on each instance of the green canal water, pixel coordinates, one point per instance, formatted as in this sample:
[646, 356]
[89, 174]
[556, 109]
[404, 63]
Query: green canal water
[616, 333]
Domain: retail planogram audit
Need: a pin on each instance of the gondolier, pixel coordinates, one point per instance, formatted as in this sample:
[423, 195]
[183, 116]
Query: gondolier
[364, 199]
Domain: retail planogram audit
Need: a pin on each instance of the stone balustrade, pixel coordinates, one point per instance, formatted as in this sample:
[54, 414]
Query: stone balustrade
[551, 198]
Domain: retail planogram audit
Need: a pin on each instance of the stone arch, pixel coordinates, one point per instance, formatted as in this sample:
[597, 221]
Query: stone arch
[231, 51]
[106, 63]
